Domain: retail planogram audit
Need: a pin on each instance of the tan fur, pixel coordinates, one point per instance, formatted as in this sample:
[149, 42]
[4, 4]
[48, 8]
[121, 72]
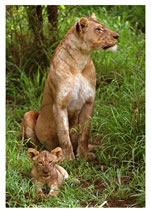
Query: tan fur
[46, 171]
[69, 93]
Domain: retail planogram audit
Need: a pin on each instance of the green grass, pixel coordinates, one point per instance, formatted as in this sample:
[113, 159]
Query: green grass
[117, 175]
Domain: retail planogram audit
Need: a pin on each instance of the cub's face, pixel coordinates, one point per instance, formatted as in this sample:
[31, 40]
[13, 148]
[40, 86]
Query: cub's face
[95, 34]
[44, 162]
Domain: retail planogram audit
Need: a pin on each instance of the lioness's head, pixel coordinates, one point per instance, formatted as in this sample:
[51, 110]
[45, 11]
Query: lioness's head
[95, 35]
[44, 161]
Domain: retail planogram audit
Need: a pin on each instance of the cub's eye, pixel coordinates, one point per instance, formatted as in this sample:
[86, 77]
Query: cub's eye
[50, 162]
[100, 29]
[40, 163]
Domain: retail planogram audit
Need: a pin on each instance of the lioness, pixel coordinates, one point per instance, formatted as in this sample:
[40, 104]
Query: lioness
[46, 171]
[68, 101]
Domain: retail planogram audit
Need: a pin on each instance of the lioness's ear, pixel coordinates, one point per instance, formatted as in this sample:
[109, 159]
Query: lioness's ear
[92, 16]
[82, 25]
[32, 154]
[58, 153]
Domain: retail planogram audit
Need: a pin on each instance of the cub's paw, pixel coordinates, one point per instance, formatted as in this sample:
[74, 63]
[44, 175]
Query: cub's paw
[41, 194]
[51, 193]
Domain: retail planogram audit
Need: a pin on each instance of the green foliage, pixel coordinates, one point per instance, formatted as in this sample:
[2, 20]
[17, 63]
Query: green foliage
[29, 44]
[118, 125]
[135, 14]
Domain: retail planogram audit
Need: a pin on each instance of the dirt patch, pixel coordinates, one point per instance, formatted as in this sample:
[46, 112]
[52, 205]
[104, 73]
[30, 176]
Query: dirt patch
[99, 185]
[85, 184]
[115, 203]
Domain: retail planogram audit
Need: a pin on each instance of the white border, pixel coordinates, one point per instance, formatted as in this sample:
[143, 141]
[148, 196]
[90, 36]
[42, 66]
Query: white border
[148, 87]
[75, 2]
[148, 106]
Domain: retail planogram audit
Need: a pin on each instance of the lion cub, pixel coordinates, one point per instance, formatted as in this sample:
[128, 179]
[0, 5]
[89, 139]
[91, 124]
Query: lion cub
[46, 171]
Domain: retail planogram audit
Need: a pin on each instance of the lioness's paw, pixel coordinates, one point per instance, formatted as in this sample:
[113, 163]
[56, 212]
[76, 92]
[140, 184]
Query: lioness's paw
[90, 155]
[69, 157]
[68, 154]
[81, 151]
[86, 155]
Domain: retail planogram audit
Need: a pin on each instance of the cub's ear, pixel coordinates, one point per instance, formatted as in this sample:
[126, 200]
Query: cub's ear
[58, 153]
[92, 16]
[32, 154]
[82, 25]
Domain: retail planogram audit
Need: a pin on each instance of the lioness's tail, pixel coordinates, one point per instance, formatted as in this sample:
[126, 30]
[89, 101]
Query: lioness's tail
[28, 127]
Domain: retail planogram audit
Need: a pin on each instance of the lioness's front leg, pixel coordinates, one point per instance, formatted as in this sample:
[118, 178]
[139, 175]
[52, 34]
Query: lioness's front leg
[62, 124]
[85, 126]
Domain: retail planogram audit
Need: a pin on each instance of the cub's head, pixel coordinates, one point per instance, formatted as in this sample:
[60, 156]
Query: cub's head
[44, 161]
[95, 35]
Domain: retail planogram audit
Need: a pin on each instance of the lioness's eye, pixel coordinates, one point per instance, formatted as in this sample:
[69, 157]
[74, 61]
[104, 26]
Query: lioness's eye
[50, 162]
[100, 29]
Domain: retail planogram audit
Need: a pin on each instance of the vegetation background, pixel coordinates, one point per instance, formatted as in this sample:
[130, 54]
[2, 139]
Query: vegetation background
[117, 175]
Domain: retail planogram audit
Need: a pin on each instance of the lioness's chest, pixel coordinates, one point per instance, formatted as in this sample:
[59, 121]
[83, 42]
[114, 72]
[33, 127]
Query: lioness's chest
[81, 93]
